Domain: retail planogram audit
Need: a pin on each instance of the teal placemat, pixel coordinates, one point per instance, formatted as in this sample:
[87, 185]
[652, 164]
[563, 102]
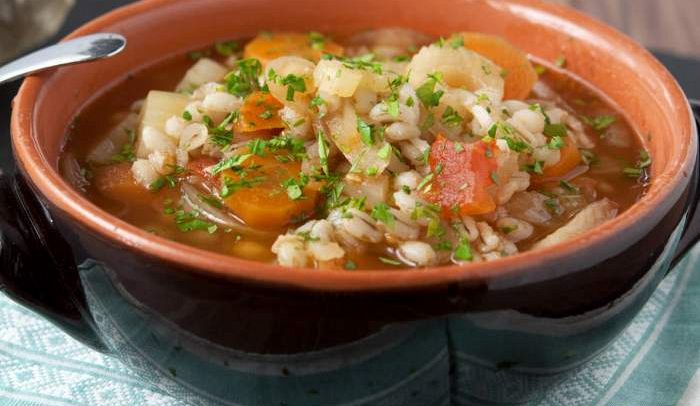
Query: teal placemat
[655, 362]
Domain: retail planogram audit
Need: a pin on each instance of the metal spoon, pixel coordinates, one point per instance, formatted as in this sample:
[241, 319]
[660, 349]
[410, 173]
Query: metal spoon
[78, 50]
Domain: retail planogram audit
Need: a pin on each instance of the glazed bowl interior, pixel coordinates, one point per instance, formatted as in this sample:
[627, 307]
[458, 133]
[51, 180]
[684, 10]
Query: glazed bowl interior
[630, 77]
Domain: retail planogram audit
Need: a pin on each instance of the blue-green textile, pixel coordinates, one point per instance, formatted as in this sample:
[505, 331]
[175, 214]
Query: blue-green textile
[655, 362]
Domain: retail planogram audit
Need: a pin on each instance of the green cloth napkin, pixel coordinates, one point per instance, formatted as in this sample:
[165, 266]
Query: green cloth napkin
[655, 362]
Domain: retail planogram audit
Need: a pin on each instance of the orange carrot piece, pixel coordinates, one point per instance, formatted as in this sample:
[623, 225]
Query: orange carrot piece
[259, 112]
[266, 47]
[117, 182]
[519, 74]
[570, 159]
[462, 176]
[265, 203]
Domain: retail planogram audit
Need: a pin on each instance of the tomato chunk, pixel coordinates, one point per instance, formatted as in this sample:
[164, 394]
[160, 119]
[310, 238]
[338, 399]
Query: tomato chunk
[462, 174]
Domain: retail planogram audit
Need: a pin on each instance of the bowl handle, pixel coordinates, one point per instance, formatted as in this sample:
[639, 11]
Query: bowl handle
[37, 268]
[691, 234]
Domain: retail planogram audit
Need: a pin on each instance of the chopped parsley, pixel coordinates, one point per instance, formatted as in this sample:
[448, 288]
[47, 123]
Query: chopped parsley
[392, 107]
[599, 123]
[362, 62]
[382, 212]
[538, 108]
[227, 48]
[536, 167]
[257, 146]
[457, 42]
[317, 101]
[169, 180]
[323, 152]
[211, 200]
[568, 187]
[126, 153]
[333, 191]
[463, 251]
[188, 221]
[555, 130]
[233, 162]
[552, 205]
[187, 115]
[451, 118]
[426, 92]
[556, 142]
[516, 145]
[350, 265]
[294, 84]
[500, 127]
[219, 135]
[244, 80]
[385, 151]
[266, 115]
[295, 147]
[428, 122]
[509, 229]
[632, 172]
[443, 245]
[426, 181]
[231, 186]
[640, 167]
[365, 131]
[197, 55]
[435, 228]
[295, 187]
[317, 40]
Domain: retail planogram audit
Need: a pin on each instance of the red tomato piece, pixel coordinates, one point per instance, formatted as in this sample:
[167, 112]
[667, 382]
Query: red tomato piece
[462, 174]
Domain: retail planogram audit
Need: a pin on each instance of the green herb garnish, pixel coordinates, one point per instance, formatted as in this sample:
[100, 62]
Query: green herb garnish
[426, 92]
[381, 212]
[599, 123]
[463, 252]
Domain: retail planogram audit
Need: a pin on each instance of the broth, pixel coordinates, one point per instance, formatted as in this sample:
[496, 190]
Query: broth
[614, 168]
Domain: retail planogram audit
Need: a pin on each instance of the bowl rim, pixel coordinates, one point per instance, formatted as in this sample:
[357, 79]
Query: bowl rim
[45, 178]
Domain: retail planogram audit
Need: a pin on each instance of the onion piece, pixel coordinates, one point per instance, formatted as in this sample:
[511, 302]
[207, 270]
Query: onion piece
[590, 217]
[190, 196]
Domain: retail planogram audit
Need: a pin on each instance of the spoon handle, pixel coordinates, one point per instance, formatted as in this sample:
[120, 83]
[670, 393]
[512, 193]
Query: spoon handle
[78, 50]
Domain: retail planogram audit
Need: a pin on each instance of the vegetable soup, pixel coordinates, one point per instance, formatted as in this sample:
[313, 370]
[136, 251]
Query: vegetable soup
[385, 149]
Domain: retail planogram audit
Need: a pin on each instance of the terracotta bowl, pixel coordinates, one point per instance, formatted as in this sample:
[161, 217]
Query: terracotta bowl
[220, 329]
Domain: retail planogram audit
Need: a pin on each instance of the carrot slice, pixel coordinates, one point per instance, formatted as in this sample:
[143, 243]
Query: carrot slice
[266, 47]
[116, 181]
[462, 176]
[259, 198]
[519, 74]
[570, 159]
[260, 111]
